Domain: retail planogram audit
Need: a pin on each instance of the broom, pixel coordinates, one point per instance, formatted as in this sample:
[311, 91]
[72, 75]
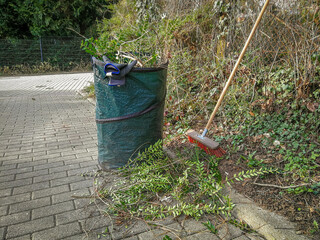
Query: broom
[209, 146]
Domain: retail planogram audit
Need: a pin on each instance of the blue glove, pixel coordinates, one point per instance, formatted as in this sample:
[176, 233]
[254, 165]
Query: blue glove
[117, 72]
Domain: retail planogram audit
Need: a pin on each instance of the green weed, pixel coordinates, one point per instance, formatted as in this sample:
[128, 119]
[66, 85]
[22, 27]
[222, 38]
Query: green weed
[210, 227]
[315, 227]
[90, 91]
[166, 237]
[155, 186]
[242, 225]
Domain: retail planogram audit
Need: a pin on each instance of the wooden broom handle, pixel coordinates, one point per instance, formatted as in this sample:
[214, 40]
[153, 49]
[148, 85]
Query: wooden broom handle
[237, 64]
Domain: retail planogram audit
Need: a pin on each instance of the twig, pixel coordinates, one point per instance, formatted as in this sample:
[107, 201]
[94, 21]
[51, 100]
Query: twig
[166, 228]
[139, 62]
[281, 187]
[293, 29]
[265, 34]
[85, 196]
[69, 28]
[136, 39]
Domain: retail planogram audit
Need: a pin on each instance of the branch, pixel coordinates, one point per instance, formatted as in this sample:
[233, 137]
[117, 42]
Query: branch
[139, 62]
[76, 32]
[84, 196]
[281, 187]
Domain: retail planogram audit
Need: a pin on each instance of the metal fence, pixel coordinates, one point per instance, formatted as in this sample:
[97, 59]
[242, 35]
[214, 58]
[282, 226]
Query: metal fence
[59, 51]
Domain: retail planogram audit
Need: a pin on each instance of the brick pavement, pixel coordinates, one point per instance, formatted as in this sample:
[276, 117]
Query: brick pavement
[47, 140]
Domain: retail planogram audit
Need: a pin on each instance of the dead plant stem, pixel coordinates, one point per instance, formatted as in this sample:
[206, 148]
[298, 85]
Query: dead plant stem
[281, 187]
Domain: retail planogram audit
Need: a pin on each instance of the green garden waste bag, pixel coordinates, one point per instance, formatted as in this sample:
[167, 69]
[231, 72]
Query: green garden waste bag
[129, 116]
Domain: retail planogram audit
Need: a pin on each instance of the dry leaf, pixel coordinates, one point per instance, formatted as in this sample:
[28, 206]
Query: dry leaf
[317, 178]
[311, 107]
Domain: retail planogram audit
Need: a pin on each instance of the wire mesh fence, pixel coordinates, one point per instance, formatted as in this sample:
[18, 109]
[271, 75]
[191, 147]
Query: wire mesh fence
[58, 51]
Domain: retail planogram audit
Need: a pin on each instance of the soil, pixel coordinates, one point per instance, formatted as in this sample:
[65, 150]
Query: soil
[302, 209]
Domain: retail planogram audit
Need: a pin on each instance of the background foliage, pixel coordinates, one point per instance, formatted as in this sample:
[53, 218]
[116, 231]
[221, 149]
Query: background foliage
[60, 52]
[202, 40]
[38, 36]
[34, 18]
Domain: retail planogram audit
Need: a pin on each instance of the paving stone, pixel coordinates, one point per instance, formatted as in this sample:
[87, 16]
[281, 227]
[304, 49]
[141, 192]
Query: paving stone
[203, 236]
[15, 171]
[31, 164]
[48, 177]
[4, 210]
[6, 178]
[67, 196]
[66, 180]
[75, 215]
[32, 174]
[65, 159]
[173, 231]
[79, 160]
[93, 235]
[24, 155]
[243, 237]
[15, 199]
[64, 168]
[30, 227]
[31, 187]
[29, 205]
[132, 238]
[49, 165]
[58, 232]
[16, 160]
[8, 166]
[123, 231]
[81, 202]
[81, 184]
[192, 226]
[50, 191]
[254, 236]
[2, 233]
[16, 183]
[80, 171]
[24, 237]
[8, 155]
[86, 155]
[48, 157]
[96, 222]
[92, 149]
[5, 192]
[73, 152]
[52, 209]
[91, 163]
[228, 232]
[14, 218]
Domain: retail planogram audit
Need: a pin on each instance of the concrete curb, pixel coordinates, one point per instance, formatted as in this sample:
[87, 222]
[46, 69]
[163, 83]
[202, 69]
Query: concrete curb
[270, 225]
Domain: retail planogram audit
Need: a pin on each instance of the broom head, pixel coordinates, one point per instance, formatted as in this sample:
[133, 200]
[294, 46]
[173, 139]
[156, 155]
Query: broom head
[209, 146]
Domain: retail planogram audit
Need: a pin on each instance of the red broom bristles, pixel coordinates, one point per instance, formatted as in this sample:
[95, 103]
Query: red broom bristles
[219, 152]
